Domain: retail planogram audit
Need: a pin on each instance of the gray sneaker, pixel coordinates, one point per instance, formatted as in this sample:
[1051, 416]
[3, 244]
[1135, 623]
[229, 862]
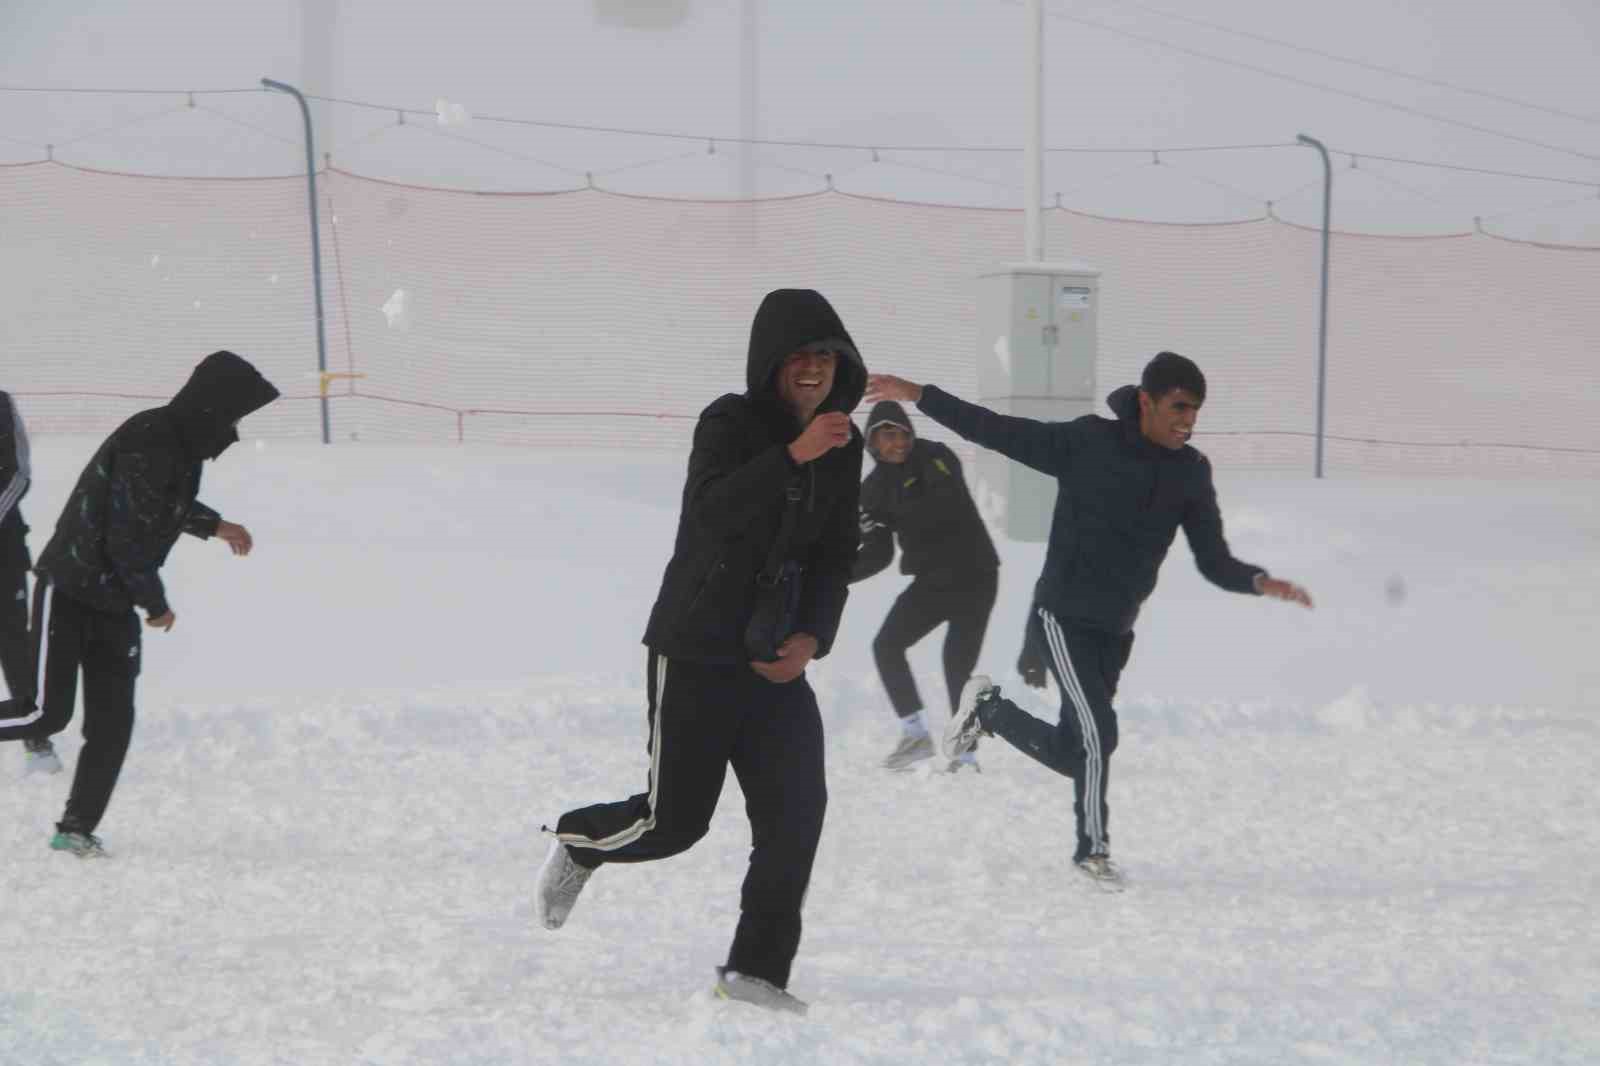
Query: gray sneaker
[912, 749]
[39, 757]
[962, 734]
[83, 845]
[560, 881]
[756, 991]
[1106, 874]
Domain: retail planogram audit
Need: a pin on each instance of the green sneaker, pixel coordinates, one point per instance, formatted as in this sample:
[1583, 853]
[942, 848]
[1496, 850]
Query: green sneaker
[83, 845]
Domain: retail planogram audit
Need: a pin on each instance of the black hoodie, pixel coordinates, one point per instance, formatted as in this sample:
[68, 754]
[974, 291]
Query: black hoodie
[925, 503]
[138, 492]
[1119, 504]
[735, 494]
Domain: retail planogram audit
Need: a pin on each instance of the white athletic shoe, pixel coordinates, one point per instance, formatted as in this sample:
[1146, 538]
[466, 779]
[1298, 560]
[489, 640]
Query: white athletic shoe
[756, 991]
[912, 749]
[1106, 874]
[560, 881]
[962, 733]
[39, 757]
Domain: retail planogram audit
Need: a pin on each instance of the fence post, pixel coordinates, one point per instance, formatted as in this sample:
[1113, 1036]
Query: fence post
[1322, 325]
[316, 249]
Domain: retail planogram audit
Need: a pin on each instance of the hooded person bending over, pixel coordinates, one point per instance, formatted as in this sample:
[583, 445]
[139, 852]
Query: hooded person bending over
[754, 591]
[131, 502]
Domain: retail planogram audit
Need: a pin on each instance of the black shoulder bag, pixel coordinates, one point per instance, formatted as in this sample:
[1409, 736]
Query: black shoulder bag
[777, 599]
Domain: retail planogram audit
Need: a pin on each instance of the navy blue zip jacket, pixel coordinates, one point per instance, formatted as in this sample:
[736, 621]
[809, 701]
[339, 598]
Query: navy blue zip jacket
[736, 492]
[1120, 503]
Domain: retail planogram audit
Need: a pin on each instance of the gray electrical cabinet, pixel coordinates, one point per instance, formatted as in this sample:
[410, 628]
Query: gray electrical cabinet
[1037, 344]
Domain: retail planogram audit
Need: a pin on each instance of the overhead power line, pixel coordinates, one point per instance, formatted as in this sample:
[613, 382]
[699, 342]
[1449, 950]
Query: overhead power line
[1309, 84]
[1438, 83]
[704, 138]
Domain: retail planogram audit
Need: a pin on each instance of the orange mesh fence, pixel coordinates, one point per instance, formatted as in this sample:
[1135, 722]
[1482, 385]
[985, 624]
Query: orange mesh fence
[588, 318]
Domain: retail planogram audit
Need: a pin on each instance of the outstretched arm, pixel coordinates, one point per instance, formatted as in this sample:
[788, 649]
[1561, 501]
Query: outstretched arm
[1041, 445]
[1202, 525]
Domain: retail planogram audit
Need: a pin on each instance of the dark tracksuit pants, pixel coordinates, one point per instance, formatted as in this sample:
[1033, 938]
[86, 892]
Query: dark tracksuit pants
[16, 660]
[1087, 664]
[68, 636]
[965, 600]
[704, 718]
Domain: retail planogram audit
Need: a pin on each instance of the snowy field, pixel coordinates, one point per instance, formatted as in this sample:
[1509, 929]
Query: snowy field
[1362, 834]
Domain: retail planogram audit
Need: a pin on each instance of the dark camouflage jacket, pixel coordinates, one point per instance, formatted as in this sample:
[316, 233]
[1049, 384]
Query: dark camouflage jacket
[139, 491]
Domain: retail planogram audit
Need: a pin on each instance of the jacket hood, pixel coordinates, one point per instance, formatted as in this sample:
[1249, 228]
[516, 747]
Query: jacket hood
[222, 389]
[1124, 403]
[887, 413]
[789, 319]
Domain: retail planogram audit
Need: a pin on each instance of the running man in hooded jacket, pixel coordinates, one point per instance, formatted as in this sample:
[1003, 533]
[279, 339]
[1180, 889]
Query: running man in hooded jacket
[1126, 486]
[15, 472]
[133, 499]
[785, 447]
[916, 494]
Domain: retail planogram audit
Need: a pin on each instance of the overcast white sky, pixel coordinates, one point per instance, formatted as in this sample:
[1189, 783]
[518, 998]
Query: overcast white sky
[869, 72]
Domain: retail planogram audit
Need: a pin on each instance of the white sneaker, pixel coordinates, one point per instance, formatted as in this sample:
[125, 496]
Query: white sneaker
[1106, 875]
[39, 757]
[560, 881]
[912, 749]
[756, 991]
[962, 732]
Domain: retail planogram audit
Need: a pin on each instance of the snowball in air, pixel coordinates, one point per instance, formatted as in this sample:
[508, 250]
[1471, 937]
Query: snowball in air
[451, 114]
[397, 310]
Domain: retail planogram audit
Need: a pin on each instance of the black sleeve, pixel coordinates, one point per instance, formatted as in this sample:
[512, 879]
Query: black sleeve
[876, 528]
[1202, 525]
[723, 494]
[1044, 446]
[827, 581]
[201, 521]
[876, 549]
[141, 484]
[14, 471]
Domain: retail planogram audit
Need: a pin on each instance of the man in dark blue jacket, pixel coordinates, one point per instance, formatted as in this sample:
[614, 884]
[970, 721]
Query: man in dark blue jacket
[131, 503]
[774, 472]
[1126, 485]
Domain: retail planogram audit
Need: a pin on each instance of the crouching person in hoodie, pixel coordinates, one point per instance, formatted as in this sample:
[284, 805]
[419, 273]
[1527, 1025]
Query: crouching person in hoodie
[131, 502]
[767, 531]
[916, 494]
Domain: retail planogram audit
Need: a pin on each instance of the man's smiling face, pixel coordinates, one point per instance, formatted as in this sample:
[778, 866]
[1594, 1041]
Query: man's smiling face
[805, 379]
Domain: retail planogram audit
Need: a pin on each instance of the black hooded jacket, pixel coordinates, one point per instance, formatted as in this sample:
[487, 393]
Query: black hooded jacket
[736, 491]
[138, 492]
[1120, 502]
[925, 503]
[14, 479]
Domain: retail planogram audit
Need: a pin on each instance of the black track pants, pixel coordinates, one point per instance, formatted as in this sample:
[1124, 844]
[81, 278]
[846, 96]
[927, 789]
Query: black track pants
[68, 637]
[965, 601]
[704, 718]
[16, 657]
[1087, 665]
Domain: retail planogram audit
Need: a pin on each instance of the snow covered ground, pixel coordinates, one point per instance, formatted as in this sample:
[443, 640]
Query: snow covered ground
[1362, 834]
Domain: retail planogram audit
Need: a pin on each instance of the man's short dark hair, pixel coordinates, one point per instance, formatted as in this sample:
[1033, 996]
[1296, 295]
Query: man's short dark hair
[1168, 371]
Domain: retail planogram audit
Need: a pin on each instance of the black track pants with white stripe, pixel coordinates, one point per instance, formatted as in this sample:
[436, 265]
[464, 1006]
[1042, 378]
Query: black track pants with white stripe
[1086, 664]
[704, 718]
[69, 636]
[16, 656]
